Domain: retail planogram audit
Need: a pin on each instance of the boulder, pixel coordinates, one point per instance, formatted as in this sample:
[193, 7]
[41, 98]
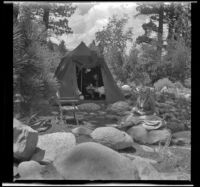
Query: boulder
[81, 131]
[139, 134]
[181, 138]
[15, 170]
[89, 107]
[24, 141]
[51, 144]
[93, 161]
[146, 170]
[112, 137]
[119, 107]
[31, 170]
[156, 136]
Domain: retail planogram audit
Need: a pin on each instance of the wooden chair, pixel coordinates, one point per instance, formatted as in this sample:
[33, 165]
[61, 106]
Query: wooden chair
[64, 102]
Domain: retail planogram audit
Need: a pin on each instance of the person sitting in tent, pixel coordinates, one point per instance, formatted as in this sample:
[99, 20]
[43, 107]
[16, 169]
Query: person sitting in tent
[90, 89]
[95, 81]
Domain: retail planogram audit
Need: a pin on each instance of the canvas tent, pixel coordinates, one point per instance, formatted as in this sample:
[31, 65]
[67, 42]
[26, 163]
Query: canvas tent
[82, 57]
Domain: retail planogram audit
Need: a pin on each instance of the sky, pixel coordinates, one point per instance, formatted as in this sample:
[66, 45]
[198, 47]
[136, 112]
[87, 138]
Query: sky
[91, 17]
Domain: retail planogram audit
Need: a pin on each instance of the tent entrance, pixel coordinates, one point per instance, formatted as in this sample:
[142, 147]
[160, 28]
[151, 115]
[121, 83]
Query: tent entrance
[90, 83]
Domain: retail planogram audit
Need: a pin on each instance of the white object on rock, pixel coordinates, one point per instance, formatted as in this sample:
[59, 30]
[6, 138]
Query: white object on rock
[24, 141]
[126, 88]
[112, 137]
[163, 89]
[100, 90]
[81, 97]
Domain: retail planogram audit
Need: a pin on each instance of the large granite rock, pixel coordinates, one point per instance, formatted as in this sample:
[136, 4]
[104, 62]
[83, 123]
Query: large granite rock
[89, 107]
[31, 170]
[112, 137]
[93, 161]
[141, 135]
[119, 107]
[156, 136]
[24, 141]
[15, 170]
[49, 145]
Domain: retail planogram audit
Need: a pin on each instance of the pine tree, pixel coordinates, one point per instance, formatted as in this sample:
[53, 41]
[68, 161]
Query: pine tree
[53, 15]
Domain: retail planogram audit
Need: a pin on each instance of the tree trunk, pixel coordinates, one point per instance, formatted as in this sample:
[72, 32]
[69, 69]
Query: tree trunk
[15, 13]
[160, 30]
[170, 30]
[46, 17]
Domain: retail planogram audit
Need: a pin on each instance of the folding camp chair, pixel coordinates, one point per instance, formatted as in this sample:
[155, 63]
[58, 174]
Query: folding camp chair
[64, 102]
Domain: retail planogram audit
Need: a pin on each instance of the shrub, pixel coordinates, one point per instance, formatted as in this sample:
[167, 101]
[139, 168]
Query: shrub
[178, 85]
[33, 64]
[187, 83]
